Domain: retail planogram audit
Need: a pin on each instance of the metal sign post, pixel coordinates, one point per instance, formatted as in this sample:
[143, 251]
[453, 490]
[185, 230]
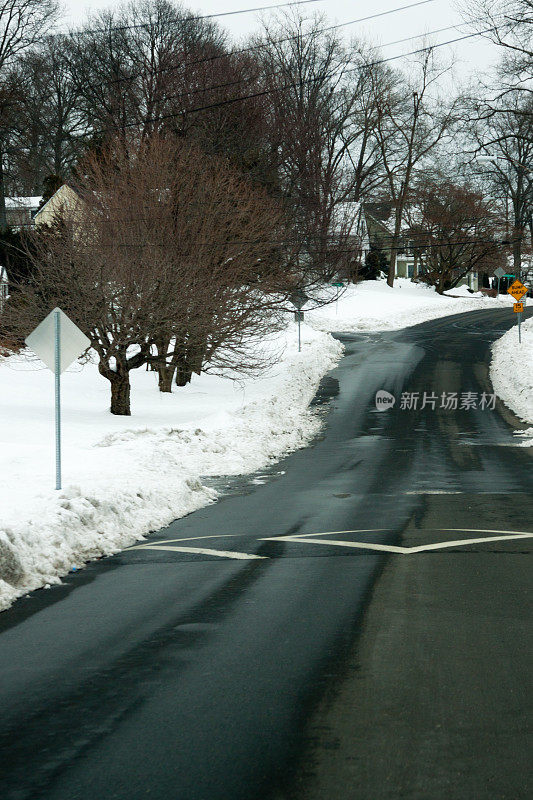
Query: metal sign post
[518, 290]
[299, 298]
[499, 272]
[57, 369]
[58, 342]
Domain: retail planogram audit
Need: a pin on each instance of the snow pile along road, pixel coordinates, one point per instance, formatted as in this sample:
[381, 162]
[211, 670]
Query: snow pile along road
[373, 305]
[127, 476]
[511, 373]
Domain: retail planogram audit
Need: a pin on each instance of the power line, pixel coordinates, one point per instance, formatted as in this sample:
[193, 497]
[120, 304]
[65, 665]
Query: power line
[240, 81]
[191, 18]
[277, 41]
[293, 85]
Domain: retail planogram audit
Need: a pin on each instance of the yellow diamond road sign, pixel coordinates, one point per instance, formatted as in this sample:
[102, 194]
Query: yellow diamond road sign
[517, 290]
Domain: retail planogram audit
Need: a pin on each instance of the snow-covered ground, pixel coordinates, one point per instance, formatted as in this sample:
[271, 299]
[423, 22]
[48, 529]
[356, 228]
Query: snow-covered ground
[373, 305]
[126, 476]
[511, 373]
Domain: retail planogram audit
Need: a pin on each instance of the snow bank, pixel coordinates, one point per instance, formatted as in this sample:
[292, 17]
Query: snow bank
[511, 373]
[127, 476]
[373, 305]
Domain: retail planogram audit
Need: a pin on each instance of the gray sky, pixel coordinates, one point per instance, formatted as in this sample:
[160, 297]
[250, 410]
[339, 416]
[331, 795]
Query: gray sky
[474, 56]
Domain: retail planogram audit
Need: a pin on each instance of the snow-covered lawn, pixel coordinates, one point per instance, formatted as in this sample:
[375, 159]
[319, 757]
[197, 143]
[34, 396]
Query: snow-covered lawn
[511, 373]
[373, 305]
[126, 476]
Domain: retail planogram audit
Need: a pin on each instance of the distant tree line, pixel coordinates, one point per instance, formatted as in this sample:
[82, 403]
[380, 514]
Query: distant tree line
[217, 180]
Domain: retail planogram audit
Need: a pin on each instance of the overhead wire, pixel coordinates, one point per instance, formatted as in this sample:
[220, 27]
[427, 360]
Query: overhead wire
[291, 85]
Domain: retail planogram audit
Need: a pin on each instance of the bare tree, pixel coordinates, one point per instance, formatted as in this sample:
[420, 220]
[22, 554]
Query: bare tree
[410, 125]
[22, 24]
[502, 144]
[138, 65]
[455, 230]
[319, 118]
[168, 258]
[49, 134]
[508, 23]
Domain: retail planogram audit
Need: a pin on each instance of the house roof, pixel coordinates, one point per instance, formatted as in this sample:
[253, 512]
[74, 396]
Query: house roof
[54, 194]
[15, 203]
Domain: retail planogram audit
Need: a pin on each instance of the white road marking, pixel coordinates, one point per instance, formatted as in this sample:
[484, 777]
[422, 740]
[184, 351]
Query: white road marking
[189, 539]
[481, 530]
[309, 538]
[359, 545]
[326, 533]
[389, 548]
[434, 491]
[199, 550]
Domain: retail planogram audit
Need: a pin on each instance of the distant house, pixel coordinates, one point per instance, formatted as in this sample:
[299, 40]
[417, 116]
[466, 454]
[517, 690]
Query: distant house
[20, 211]
[64, 200]
[4, 287]
[380, 225]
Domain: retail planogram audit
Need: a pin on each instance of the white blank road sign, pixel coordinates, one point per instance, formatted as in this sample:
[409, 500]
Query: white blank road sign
[73, 342]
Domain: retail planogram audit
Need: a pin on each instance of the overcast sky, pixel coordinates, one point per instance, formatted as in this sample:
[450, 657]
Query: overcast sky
[475, 56]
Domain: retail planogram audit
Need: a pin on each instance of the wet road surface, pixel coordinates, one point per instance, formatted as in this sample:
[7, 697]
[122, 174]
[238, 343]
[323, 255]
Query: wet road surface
[312, 636]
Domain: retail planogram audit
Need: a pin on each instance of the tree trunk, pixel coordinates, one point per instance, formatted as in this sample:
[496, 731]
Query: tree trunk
[394, 245]
[183, 374]
[166, 374]
[517, 252]
[392, 263]
[415, 266]
[120, 395]
[3, 216]
[441, 283]
[164, 369]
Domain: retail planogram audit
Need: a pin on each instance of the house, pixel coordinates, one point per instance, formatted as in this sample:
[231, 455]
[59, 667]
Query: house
[20, 211]
[65, 199]
[380, 225]
[4, 287]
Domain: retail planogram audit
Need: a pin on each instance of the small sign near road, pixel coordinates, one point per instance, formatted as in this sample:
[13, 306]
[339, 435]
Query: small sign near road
[499, 272]
[518, 308]
[72, 342]
[58, 342]
[517, 290]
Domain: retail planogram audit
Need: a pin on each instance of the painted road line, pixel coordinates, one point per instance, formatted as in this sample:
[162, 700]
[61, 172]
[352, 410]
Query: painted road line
[326, 533]
[481, 530]
[389, 548]
[189, 539]
[303, 539]
[199, 550]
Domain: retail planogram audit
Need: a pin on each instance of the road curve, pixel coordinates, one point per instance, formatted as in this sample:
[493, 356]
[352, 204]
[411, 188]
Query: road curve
[183, 674]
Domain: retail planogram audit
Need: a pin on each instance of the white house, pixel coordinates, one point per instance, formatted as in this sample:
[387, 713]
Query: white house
[63, 201]
[20, 211]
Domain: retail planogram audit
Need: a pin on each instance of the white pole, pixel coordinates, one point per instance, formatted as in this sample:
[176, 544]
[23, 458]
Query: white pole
[57, 365]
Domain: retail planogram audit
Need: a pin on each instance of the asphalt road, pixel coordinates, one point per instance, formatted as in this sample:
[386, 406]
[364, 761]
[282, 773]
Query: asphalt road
[362, 668]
